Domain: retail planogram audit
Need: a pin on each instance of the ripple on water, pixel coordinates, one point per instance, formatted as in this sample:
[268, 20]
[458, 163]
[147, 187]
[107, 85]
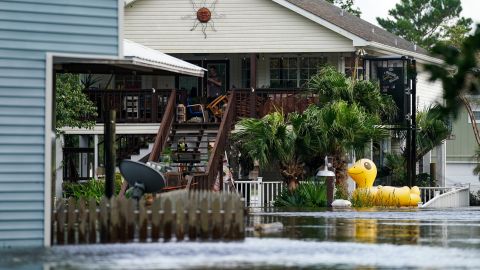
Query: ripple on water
[253, 252]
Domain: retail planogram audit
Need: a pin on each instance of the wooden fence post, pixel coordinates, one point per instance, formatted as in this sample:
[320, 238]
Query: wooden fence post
[60, 222]
[180, 219]
[92, 221]
[167, 220]
[103, 221]
[71, 221]
[156, 220]
[216, 219]
[114, 221]
[227, 218]
[122, 222]
[130, 220]
[142, 221]
[82, 218]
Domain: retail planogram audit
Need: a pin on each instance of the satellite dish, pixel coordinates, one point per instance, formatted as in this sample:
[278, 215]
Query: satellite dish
[141, 177]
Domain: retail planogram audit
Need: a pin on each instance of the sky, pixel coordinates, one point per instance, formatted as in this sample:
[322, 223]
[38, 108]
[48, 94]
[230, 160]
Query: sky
[379, 8]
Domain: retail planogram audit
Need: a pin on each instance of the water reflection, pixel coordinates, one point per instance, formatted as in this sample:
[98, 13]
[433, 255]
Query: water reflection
[401, 227]
[350, 239]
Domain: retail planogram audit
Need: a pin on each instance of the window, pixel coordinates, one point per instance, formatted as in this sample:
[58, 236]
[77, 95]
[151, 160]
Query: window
[128, 81]
[293, 72]
[476, 114]
[309, 66]
[245, 73]
[283, 72]
[474, 101]
[350, 66]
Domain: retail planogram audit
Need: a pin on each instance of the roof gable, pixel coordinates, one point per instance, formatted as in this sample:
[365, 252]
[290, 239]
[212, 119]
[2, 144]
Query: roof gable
[350, 24]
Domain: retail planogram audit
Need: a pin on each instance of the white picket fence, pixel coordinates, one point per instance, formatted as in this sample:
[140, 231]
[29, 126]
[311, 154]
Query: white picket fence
[428, 193]
[454, 197]
[257, 193]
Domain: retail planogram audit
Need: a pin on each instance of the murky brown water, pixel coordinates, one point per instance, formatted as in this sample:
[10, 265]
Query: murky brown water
[353, 239]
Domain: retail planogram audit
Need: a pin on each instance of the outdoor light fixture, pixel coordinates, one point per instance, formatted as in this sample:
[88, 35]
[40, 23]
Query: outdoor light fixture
[326, 172]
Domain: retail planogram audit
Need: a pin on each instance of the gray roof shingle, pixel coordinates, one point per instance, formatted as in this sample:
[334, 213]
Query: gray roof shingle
[355, 25]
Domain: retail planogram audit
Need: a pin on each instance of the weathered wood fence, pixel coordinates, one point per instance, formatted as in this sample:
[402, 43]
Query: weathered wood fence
[178, 215]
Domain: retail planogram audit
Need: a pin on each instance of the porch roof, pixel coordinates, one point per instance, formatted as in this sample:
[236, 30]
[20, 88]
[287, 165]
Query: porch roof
[137, 58]
[143, 55]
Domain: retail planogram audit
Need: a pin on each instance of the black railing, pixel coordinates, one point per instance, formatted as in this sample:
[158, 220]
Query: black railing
[78, 164]
[132, 106]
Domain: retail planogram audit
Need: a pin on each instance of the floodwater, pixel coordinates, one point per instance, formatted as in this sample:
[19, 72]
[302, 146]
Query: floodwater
[343, 239]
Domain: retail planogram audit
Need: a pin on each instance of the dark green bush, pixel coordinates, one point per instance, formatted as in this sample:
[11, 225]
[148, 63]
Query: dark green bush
[90, 189]
[310, 194]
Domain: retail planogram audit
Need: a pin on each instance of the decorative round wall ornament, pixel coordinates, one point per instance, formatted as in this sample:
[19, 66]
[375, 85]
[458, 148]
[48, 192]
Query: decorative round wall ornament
[204, 15]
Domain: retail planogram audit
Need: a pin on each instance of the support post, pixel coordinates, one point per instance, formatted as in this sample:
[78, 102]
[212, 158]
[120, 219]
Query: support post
[109, 136]
[330, 190]
[413, 71]
[95, 156]
[253, 85]
[441, 164]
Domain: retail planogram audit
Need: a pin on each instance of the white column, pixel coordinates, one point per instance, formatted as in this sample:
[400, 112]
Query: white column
[59, 143]
[95, 156]
[441, 163]
[83, 166]
[427, 159]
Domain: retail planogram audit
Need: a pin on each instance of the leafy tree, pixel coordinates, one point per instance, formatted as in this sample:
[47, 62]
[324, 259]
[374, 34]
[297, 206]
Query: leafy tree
[460, 77]
[73, 108]
[347, 5]
[426, 22]
[433, 128]
[270, 140]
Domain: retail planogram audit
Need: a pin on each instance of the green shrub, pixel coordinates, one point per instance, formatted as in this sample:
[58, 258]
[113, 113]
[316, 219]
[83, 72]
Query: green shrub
[90, 189]
[310, 194]
[475, 198]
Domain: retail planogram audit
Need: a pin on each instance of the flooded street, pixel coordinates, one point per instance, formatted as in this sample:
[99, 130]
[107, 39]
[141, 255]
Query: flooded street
[348, 239]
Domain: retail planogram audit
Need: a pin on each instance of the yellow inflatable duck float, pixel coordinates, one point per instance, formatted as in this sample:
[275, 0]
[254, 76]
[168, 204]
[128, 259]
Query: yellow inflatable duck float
[364, 172]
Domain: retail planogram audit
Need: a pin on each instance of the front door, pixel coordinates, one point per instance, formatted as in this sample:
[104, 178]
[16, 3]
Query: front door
[215, 82]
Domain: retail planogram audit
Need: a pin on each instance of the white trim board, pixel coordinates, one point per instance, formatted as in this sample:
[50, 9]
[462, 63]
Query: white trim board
[357, 41]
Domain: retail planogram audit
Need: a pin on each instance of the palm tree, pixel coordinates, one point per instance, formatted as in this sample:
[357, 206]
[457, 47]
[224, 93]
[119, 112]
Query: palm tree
[270, 140]
[345, 118]
[433, 130]
[335, 130]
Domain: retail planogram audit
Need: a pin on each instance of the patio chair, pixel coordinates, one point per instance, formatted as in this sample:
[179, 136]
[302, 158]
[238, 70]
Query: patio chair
[196, 110]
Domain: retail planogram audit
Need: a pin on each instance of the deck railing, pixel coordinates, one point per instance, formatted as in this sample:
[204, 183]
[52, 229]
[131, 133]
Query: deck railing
[78, 164]
[262, 101]
[165, 127]
[214, 169]
[132, 106]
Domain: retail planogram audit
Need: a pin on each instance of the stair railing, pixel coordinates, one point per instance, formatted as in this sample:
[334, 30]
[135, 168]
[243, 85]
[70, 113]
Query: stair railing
[165, 127]
[207, 180]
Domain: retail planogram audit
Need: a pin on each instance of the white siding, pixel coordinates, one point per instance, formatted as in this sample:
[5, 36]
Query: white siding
[245, 26]
[427, 92]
